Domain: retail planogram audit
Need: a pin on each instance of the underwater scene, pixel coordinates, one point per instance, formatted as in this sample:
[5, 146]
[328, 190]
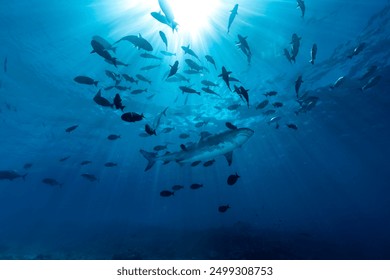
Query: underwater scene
[179, 129]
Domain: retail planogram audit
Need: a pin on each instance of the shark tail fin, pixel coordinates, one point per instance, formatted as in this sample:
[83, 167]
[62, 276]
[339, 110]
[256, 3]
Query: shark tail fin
[151, 157]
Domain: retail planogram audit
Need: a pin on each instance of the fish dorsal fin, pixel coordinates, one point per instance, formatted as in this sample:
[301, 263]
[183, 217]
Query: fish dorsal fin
[229, 157]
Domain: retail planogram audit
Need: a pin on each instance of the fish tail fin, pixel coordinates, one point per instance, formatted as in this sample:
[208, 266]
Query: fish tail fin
[151, 157]
[24, 177]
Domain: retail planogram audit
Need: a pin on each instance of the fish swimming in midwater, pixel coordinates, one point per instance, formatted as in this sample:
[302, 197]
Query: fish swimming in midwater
[149, 130]
[196, 186]
[113, 137]
[157, 119]
[89, 177]
[118, 102]
[166, 193]
[106, 45]
[338, 82]
[164, 39]
[149, 67]
[167, 10]
[207, 148]
[371, 82]
[168, 53]
[292, 126]
[177, 187]
[193, 65]
[138, 91]
[142, 78]
[301, 5]
[11, 175]
[27, 166]
[51, 182]
[225, 76]
[358, 49]
[270, 93]
[100, 100]
[313, 53]
[64, 159]
[223, 208]
[85, 162]
[188, 90]
[85, 80]
[160, 148]
[209, 83]
[210, 59]
[244, 46]
[232, 179]
[173, 69]
[298, 84]
[209, 163]
[149, 56]
[110, 164]
[71, 128]
[232, 16]
[100, 50]
[287, 55]
[188, 50]
[138, 41]
[129, 79]
[210, 91]
[132, 117]
[295, 45]
[262, 104]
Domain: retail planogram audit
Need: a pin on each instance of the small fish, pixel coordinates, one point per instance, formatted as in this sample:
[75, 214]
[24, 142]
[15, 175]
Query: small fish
[71, 128]
[27, 166]
[118, 102]
[129, 79]
[85, 80]
[166, 193]
[149, 130]
[132, 117]
[232, 16]
[292, 126]
[168, 53]
[262, 104]
[149, 67]
[195, 163]
[89, 177]
[173, 69]
[150, 56]
[51, 182]
[225, 76]
[371, 82]
[231, 126]
[187, 50]
[164, 39]
[112, 75]
[301, 5]
[100, 100]
[64, 159]
[232, 179]
[210, 59]
[160, 148]
[138, 91]
[184, 136]
[113, 137]
[270, 93]
[287, 55]
[142, 78]
[209, 163]
[274, 119]
[177, 187]
[223, 208]
[358, 50]
[210, 91]
[313, 53]
[110, 164]
[191, 72]
[122, 88]
[196, 186]
[188, 90]
[85, 162]
[209, 83]
[277, 104]
[232, 79]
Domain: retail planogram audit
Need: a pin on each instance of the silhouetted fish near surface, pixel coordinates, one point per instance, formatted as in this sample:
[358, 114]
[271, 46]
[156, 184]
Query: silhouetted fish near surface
[138, 41]
[223, 208]
[173, 69]
[244, 46]
[187, 50]
[100, 50]
[144, 79]
[64, 159]
[196, 186]
[301, 5]
[113, 137]
[150, 56]
[149, 130]
[100, 100]
[232, 16]
[85, 162]
[193, 65]
[277, 104]
[371, 82]
[164, 39]
[168, 12]
[51, 182]
[232, 179]
[132, 117]
[262, 104]
[209, 163]
[292, 126]
[295, 45]
[313, 53]
[149, 67]
[118, 102]
[177, 187]
[168, 53]
[71, 128]
[166, 193]
[106, 45]
[225, 76]
[85, 80]
[27, 166]
[11, 175]
[89, 177]
[122, 88]
[110, 164]
[358, 50]
[210, 59]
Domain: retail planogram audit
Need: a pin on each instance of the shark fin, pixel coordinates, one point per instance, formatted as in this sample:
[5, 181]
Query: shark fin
[151, 157]
[229, 157]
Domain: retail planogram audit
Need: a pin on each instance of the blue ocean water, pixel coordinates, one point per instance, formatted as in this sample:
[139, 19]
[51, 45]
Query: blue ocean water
[314, 182]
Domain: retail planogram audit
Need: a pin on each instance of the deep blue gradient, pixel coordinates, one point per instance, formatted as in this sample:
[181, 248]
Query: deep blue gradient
[319, 192]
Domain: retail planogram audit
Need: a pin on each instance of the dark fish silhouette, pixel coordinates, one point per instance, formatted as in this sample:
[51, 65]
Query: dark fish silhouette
[11, 175]
[232, 16]
[195, 163]
[188, 90]
[64, 158]
[71, 128]
[223, 208]
[166, 193]
[188, 50]
[287, 55]
[298, 84]
[110, 164]
[118, 102]
[138, 41]
[113, 137]
[100, 50]
[225, 76]
[89, 177]
[358, 50]
[313, 53]
[142, 78]
[85, 162]
[106, 45]
[184, 136]
[231, 126]
[371, 82]
[149, 130]
[196, 186]
[150, 56]
[177, 187]
[292, 126]
[164, 39]
[262, 104]
[209, 163]
[129, 78]
[295, 45]
[100, 100]
[208, 83]
[51, 182]
[138, 91]
[85, 80]
[210, 59]
[270, 93]
[160, 147]
[232, 179]
[301, 5]
[173, 69]
[132, 117]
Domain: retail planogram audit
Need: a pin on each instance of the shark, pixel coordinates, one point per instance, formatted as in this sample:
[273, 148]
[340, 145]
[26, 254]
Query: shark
[207, 148]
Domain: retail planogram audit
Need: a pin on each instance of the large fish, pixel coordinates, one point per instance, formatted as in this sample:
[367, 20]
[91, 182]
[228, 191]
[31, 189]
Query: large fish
[206, 149]
[232, 16]
[11, 175]
[167, 10]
